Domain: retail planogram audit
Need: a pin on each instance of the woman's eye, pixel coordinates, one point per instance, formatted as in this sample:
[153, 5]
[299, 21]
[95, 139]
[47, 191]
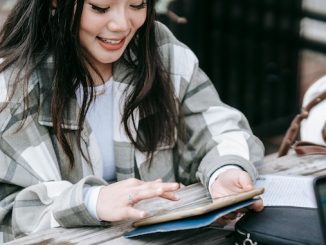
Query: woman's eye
[99, 9]
[139, 6]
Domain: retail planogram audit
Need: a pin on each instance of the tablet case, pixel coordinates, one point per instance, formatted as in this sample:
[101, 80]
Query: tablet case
[188, 223]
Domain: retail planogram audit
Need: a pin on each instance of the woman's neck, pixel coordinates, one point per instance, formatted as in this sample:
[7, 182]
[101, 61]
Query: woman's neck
[105, 73]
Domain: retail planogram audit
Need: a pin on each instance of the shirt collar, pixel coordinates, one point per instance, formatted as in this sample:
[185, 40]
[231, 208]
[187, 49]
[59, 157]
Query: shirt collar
[71, 112]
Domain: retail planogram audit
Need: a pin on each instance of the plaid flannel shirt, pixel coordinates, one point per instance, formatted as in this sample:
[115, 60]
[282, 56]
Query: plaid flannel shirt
[38, 190]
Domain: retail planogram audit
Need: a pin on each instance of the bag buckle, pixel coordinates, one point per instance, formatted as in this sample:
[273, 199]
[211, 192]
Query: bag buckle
[248, 241]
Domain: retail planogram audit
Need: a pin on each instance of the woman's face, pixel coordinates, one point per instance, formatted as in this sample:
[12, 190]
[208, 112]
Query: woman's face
[106, 28]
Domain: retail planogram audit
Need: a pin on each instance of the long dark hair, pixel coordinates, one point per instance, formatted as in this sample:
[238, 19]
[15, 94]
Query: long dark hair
[33, 31]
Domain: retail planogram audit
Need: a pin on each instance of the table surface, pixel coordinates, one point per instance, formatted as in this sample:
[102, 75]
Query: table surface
[288, 165]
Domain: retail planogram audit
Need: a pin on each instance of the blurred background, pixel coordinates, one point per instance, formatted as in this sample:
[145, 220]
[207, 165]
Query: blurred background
[261, 55]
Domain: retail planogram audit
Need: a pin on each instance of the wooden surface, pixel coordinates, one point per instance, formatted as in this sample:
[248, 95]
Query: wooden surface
[288, 165]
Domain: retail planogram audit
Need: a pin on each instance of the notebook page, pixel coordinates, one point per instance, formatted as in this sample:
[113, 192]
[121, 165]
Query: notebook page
[284, 190]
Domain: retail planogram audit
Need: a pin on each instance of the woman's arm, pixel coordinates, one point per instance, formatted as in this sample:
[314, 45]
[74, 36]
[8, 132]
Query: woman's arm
[217, 135]
[28, 204]
[33, 194]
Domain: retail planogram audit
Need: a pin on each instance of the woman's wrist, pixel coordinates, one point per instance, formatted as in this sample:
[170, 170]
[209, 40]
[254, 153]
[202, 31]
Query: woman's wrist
[90, 196]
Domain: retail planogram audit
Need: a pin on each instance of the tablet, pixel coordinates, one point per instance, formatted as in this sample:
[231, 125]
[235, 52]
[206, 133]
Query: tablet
[203, 208]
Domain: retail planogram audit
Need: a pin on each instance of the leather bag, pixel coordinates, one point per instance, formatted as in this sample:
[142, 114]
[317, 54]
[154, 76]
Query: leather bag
[303, 147]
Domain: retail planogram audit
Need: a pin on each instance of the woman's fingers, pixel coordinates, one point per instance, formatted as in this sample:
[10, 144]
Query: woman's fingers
[121, 197]
[158, 184]
[257, 206]
[146, 191]
[170, 196]
[231, 216]
[145, 194]
[228, 218]
[133, 213]
[242, 210]
[127, 213]
[222, 221]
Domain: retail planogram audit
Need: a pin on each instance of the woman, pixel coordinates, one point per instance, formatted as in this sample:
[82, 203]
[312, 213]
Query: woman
[96, 91]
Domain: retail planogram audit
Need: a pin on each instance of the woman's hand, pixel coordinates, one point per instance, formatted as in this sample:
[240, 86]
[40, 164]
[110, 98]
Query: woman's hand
[115, 201]
[230, 182]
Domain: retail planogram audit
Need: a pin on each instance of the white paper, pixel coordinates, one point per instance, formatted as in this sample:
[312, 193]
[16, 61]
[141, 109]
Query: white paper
[284, 190]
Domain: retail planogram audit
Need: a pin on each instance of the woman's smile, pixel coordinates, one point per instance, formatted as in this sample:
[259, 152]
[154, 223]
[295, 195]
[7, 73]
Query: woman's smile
[106, 29]
[111, 44]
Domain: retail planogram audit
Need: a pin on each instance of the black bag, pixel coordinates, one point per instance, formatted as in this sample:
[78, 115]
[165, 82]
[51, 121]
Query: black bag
[279, 225]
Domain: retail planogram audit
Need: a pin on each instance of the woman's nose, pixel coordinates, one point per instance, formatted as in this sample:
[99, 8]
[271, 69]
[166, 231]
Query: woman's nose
[118, 21]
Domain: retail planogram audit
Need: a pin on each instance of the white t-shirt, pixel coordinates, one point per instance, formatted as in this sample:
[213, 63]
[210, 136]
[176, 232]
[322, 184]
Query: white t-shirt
[100, 119]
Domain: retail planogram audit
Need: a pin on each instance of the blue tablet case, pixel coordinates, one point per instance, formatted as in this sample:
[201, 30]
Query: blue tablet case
[188, 223]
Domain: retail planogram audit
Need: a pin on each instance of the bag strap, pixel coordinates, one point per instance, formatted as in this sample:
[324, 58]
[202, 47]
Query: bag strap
[308, 148]
[293, 131]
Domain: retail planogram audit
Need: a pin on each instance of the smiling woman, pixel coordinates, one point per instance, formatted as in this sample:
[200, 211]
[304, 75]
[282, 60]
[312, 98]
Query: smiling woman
[97, 92]
[106, 29]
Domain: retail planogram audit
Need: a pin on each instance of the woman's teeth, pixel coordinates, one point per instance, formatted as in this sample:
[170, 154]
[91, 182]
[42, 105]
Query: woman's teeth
[110, 41]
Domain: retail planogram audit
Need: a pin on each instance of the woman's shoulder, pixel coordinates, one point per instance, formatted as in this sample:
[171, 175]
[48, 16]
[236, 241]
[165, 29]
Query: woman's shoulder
[16, 88]
[164, 36]
[14, 93]
[179, 57]
[7, 104]
[15, 83]
[6, 82]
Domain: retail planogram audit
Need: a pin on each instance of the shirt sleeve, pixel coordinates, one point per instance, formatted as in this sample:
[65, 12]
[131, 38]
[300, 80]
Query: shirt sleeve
[217, 134]
[214, 134]
[90, 195]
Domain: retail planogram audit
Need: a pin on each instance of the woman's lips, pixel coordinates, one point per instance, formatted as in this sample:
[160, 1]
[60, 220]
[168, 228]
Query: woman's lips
[111, 44]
